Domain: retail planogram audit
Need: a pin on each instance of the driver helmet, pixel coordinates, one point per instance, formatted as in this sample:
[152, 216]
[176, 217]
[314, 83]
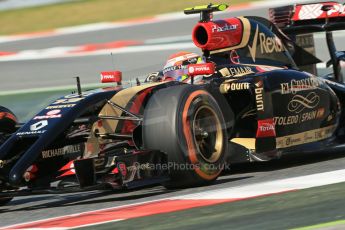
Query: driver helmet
[176, 67]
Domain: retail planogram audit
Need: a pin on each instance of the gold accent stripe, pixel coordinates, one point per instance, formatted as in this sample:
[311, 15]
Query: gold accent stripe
[291, 140]
[305, 137]
[248, 143]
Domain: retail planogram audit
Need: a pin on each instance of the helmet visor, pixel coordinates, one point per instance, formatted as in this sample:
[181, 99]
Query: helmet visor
[175, 71]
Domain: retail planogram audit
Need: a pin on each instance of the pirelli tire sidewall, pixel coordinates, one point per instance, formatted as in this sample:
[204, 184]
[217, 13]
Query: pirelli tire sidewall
[169, 120]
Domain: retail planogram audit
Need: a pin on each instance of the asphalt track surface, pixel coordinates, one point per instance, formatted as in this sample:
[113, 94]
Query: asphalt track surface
[55, 72]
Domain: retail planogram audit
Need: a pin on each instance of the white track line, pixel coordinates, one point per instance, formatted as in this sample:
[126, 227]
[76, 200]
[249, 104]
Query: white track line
[276, 186]
[64, 52]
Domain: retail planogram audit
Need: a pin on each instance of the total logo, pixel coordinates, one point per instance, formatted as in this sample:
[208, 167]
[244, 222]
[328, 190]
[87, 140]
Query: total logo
[50, 114]
[266, 128]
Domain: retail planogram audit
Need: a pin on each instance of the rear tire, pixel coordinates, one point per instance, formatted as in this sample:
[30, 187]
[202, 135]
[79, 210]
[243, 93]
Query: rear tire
[187, 124]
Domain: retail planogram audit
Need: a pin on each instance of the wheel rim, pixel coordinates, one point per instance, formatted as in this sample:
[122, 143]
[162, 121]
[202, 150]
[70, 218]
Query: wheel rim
[208, 135]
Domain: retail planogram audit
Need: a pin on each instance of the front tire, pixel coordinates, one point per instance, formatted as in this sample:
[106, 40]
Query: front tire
[187, 124]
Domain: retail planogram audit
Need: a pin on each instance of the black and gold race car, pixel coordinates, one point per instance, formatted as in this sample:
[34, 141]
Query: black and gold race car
[259, 98]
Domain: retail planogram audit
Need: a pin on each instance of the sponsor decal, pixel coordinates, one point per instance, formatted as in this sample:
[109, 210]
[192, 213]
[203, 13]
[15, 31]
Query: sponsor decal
[299, 85]
[268, 45]
[259, 96]
[31, 133]
[60, 106]
[299, 118]
[314, 11]
[336, 10]
[266, 128]
[298, 103]
[226, 87]
[72, 98]
[35, 128]
[67, 100]
[111, 76]
[172, 68]
[39, 125]
[310, 11]
[201, 69]
[226, 27]
[49, 114]
[305, 137]
[84, 94]
[70, 149]
[236, 71]
[289, 120]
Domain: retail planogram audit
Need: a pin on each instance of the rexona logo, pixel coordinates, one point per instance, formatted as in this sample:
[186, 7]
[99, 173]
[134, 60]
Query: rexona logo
[266, 128]
[267, 45]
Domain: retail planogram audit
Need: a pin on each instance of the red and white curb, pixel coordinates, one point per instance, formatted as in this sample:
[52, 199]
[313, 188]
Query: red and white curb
[184, 202]
[115, 47]
[139, 21]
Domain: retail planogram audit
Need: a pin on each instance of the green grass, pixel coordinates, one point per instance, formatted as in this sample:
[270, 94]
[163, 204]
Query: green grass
[89, 11]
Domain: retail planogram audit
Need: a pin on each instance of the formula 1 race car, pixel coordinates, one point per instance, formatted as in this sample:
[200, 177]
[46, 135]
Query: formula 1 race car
[254, 103]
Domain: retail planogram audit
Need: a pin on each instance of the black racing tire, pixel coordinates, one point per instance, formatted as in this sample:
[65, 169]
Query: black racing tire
[187, 124]
[4, 201]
